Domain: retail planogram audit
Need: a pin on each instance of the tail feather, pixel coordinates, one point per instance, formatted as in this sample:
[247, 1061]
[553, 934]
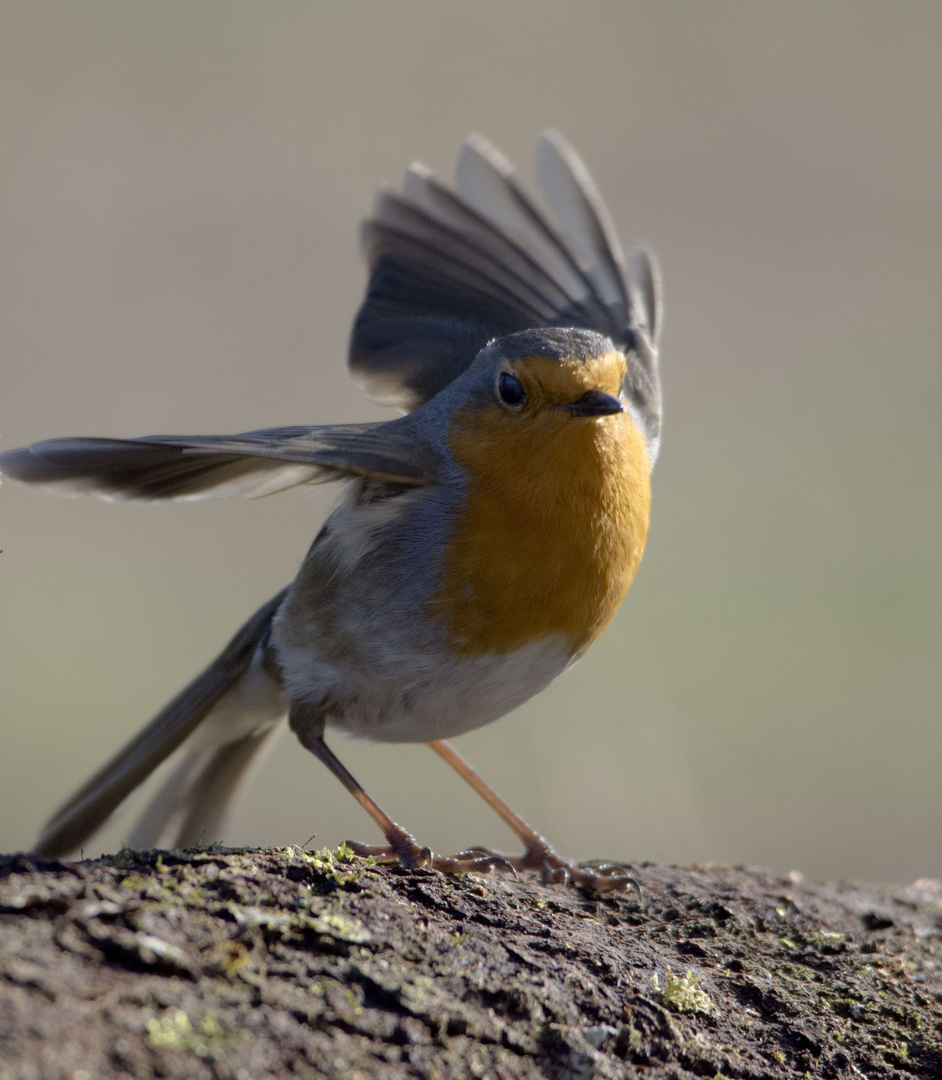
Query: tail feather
[194, 803]
[94, 803]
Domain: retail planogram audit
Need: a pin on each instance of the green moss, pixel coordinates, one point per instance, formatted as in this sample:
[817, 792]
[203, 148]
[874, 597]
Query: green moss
[682, 994]
[175, 1030]
[341, 928]
[340, 865]
[135, 882]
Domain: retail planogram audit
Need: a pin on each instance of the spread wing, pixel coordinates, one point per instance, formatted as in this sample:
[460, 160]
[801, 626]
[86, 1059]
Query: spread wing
[254, 463]
[449, 271]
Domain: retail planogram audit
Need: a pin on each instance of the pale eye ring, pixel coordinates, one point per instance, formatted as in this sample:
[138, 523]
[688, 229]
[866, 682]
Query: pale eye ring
[510, 391]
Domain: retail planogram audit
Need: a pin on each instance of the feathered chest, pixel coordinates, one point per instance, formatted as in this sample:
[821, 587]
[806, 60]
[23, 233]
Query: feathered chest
[548, 536]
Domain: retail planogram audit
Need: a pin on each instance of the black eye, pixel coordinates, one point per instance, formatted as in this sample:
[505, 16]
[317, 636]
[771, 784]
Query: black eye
[510, 390]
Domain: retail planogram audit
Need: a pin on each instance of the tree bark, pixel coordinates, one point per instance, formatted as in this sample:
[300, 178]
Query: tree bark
[242, 964]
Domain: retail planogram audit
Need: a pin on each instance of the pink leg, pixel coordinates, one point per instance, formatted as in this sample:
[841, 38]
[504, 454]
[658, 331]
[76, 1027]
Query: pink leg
[538, 853]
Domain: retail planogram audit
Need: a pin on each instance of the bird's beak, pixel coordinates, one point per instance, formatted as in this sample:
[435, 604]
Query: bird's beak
[595, 403]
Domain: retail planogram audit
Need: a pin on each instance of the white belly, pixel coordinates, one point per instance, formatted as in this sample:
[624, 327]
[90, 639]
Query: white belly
[421, 698]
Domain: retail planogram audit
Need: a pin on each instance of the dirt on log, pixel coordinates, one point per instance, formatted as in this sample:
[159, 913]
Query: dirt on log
[244, 964]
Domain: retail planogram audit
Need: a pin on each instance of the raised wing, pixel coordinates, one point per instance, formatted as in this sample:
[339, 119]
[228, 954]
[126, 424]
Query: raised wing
[449, 271]
[255, 463]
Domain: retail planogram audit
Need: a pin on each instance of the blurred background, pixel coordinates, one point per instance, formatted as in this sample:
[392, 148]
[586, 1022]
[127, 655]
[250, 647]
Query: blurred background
[180, 191]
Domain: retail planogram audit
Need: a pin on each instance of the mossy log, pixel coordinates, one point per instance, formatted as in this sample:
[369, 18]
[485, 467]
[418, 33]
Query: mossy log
[245, 964]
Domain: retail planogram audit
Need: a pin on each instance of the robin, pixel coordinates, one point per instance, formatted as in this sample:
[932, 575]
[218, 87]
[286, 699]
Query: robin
[485, 539]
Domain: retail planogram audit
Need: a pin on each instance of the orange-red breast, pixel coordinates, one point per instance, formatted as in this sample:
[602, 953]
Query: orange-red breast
[486, 537]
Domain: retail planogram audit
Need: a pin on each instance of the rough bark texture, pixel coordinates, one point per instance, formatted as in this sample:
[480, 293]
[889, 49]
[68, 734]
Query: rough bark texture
[222, 963]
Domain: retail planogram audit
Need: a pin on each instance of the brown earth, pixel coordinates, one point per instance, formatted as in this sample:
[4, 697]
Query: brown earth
[244, 964]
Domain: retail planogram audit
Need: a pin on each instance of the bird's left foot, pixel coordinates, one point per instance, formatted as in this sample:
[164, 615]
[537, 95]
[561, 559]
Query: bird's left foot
[555, 870]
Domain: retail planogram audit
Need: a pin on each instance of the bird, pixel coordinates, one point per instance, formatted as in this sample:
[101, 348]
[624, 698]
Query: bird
[485, 537]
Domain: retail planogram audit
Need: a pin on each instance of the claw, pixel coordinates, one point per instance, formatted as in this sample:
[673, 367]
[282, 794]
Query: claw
[607, 879]
[423, 859]
[487, 863]
[472, 862]
[551, 874]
